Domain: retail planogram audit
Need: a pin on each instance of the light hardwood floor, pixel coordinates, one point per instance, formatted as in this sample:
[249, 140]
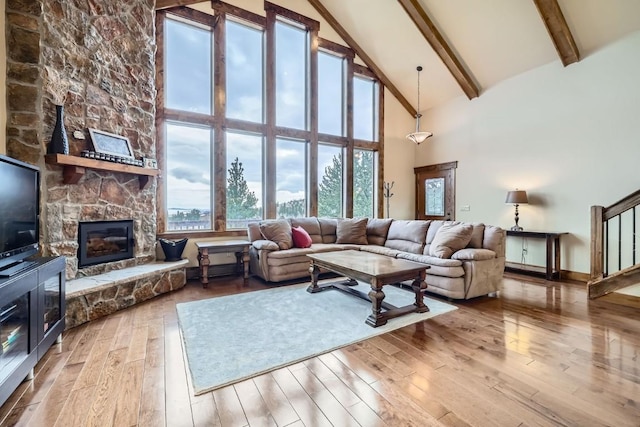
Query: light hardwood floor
[535, 355]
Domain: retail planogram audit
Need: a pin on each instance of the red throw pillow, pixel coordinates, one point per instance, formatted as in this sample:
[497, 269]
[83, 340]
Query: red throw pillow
[301, 238]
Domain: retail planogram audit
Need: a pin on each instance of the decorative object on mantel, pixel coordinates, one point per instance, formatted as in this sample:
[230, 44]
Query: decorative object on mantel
[111, 158]
[59, 143]
[517, 197]
[110, 144]
[388, 194]
[418, 137]
[150, 163]
[173, 249]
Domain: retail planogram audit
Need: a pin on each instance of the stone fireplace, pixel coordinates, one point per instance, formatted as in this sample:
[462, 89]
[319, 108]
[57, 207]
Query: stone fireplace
[100, 242]
[97, 59]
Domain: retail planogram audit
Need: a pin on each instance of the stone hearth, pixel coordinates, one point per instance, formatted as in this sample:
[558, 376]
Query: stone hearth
[90, 298]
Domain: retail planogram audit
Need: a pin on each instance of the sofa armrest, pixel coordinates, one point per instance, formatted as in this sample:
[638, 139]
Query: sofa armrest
[265, 245]
[469, 254]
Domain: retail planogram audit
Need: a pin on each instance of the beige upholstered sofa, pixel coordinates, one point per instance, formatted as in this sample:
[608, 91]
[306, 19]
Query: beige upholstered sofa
[466, 259]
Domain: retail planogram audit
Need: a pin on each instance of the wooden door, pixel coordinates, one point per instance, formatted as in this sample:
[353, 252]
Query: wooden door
[436, 191]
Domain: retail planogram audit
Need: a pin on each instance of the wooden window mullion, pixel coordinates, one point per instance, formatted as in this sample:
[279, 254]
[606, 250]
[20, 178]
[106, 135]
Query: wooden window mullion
[380, 185]
[270, 116]
[219, 177]
[161, 140]
[348, 161]
[313, 118]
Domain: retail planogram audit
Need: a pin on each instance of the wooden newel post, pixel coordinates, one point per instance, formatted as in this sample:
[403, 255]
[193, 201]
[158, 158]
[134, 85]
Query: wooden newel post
[597, 242]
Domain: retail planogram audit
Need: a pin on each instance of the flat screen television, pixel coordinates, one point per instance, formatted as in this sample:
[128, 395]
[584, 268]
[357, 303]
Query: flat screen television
[19, 211]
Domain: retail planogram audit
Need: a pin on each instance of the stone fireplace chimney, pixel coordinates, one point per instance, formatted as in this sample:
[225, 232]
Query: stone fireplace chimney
[97, 59]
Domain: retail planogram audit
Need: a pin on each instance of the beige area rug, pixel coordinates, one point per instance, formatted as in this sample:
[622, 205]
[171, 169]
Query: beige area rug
[231, 338]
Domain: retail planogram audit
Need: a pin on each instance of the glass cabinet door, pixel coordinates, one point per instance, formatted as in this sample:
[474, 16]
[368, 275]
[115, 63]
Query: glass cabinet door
[51, 299]
[14, 334]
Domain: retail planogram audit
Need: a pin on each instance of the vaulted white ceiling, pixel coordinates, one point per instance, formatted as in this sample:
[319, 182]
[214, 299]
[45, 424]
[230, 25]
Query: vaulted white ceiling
[493, 39]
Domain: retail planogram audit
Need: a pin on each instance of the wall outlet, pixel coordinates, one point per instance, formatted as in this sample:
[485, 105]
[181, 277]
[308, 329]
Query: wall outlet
[465, 208]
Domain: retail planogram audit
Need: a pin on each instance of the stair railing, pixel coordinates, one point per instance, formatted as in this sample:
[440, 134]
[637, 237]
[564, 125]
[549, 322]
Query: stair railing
[616, 222]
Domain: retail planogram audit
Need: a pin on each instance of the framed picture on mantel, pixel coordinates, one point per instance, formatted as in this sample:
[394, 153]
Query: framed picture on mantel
[109, 143]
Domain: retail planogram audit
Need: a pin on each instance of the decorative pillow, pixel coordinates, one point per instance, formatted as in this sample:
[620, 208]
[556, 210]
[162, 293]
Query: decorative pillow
[278, 231]
[301, 238]
[450, 238]
[352, 231]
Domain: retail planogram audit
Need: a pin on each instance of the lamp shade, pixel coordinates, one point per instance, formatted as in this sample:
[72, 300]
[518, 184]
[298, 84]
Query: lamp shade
[517, 197]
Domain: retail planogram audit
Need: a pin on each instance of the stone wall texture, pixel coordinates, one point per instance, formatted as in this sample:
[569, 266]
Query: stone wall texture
[93, 305]
[97, 59]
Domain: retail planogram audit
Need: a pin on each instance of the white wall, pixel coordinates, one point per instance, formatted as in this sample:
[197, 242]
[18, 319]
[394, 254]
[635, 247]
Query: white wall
[568, 136]
[399, 158]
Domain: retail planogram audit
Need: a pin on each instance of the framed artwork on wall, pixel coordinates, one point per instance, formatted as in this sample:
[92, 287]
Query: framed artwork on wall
[109, 143]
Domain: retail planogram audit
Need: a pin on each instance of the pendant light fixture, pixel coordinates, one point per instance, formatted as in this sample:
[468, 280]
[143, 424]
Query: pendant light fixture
[418, 137]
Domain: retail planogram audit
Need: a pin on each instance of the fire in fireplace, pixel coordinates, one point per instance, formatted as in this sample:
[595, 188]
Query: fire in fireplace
[104, 241]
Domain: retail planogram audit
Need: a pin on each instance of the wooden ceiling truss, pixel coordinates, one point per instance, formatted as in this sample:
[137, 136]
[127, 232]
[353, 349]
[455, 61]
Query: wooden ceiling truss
[559, 31]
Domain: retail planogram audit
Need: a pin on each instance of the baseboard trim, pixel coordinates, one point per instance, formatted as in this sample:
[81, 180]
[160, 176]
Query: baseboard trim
[575, 275]
[539, 271]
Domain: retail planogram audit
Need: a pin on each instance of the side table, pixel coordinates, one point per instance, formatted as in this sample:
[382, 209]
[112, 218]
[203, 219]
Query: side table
[239, 247]
[552, 239]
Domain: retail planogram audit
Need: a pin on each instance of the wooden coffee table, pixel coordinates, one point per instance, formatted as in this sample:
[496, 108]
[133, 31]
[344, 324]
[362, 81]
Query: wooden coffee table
[376, 270]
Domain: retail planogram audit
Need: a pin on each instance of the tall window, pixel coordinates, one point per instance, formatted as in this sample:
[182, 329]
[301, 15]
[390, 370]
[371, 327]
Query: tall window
[244, 179]
[330, 181]
[291, 173]
[291, 76]
[363, 183]
[244, 72]
[331, 97]
[364, 107]
[243, 132]
[188, 167]
[188, 67]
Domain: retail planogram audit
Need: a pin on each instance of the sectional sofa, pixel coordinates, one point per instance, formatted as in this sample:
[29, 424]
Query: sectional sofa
[466, 260]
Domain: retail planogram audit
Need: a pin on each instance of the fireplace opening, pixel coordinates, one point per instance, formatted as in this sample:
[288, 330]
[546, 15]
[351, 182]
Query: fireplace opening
[104, 241]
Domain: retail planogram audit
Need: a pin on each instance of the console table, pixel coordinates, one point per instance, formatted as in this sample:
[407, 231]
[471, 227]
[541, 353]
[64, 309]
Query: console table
[552, 239]
[239, 247]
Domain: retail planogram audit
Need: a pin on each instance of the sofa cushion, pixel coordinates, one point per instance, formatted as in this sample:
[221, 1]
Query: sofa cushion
[279, 231]
[450, 238]
[301, 238]
[352, 231]
[431, 260]
[253, 231]
[377, 230]
[265, 245]
[494, 239]
[476, 235]
[328, 228]
[434, 226]
[407, 235]
[331, 247]
[474, 254]
[375, 249]
[310, 225]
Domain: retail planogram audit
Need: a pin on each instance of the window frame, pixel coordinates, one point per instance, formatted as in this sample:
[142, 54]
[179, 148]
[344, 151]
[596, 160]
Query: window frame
[216, 22]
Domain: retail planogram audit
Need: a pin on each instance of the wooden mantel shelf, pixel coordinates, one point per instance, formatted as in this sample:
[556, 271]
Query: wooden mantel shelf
[75, 167]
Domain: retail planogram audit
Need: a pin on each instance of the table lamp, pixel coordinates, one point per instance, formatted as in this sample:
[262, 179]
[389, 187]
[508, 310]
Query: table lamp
[517, 197]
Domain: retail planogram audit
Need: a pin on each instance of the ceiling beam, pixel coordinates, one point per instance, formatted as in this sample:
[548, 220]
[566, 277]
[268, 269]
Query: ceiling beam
[362, 54]
[440, 46]
[558, 30]
[166, 4]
